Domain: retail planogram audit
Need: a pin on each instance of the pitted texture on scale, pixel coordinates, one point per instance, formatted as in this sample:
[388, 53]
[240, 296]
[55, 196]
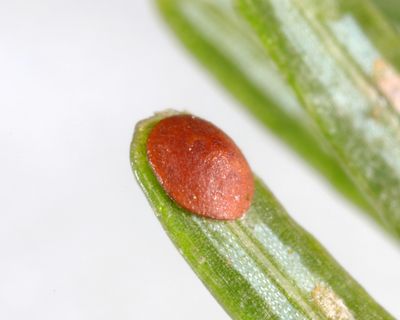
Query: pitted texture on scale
[200, 167]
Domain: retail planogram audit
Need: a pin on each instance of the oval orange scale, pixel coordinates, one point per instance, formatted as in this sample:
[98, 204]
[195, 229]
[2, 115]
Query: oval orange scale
[200, 167]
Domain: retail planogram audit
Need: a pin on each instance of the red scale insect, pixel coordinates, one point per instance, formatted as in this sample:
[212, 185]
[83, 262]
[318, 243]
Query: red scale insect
[200, 167]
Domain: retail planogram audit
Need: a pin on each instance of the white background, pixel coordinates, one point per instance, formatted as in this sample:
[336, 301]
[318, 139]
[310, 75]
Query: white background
[77, 237]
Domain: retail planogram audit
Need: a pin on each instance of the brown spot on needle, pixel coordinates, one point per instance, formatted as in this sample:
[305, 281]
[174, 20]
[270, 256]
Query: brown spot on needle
[331, 305]
[388, 81]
